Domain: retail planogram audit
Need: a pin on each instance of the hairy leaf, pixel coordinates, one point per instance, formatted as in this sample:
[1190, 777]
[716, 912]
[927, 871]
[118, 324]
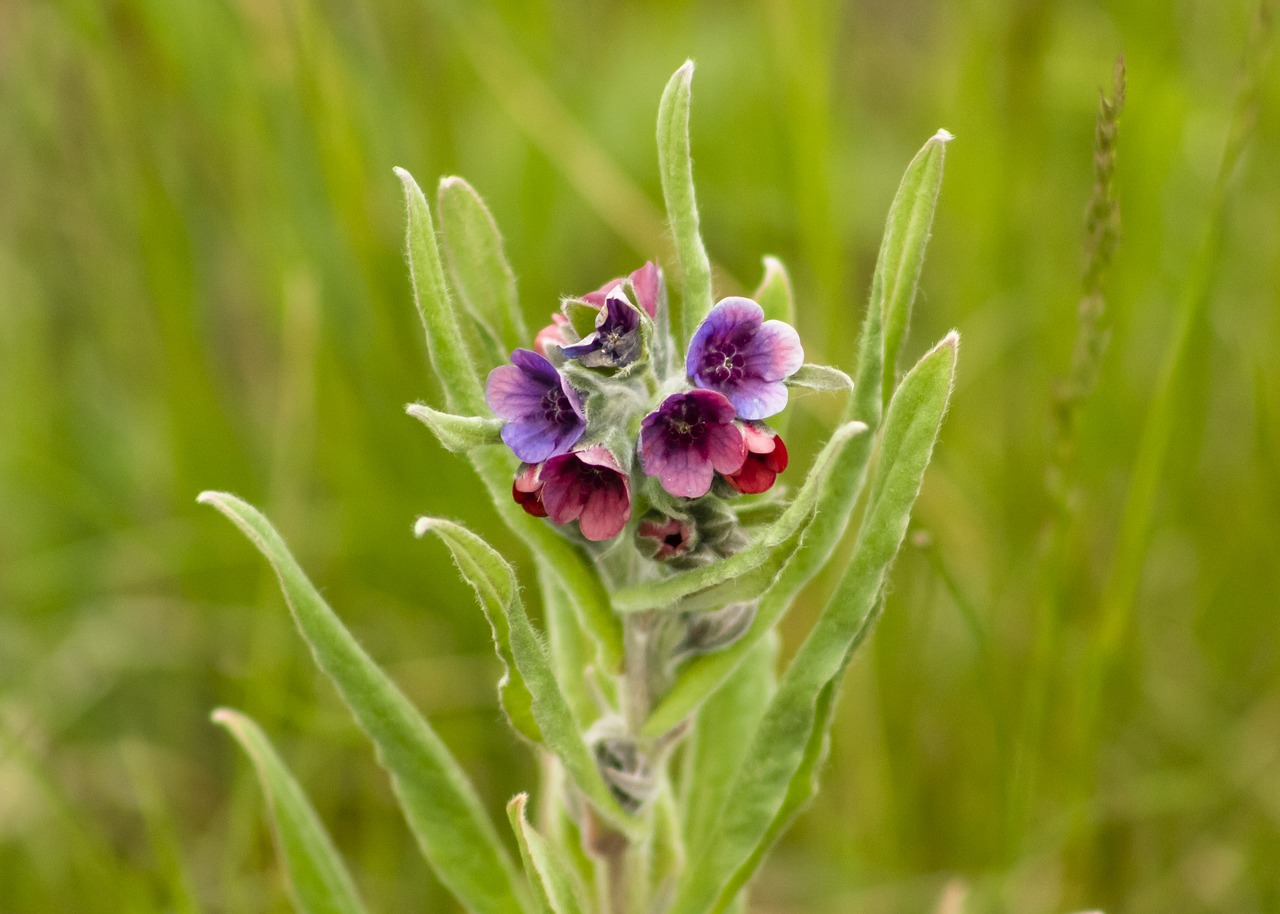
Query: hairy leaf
[559, 891]
[560, 732]
[675, 165]
[478, 268]
[784, 739]
[438, 801]
[458, 434]
[317, 879]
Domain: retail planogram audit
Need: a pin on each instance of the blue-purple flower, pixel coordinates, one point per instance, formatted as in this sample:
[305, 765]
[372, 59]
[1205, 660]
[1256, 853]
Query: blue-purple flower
[544, 414]
[738, 353]
[615, 343]
[690, 438]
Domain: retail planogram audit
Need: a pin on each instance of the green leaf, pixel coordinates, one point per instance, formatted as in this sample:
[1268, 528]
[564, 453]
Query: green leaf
[568, 562]
[478, 267]
[893, 285]
[727, 718]
[746, 573]
[820, 377]
[774, 294]
[559, 891]
[454, 364]
[458, 434]
[675, 165]
[438, 801]
[495, 585]
[318, 881]
[784, 740]
[561, 733]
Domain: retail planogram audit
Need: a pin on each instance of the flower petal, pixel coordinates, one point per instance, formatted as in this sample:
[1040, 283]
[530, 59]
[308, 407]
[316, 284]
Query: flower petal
[512, 393]
[775, 351]
[757, 399]
[647, 282]
[607, 509]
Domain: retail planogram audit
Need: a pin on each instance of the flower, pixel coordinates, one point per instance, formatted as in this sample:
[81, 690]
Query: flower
[544, 414]
[689, 439]
[666, 538]
[615, 343]
[737, 352]
[587, 486]
[646, 282]
[527, 489]
[766, 458]
[551, 335]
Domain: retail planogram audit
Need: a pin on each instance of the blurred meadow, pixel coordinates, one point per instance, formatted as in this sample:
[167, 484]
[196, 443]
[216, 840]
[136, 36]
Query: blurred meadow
[1074, 697]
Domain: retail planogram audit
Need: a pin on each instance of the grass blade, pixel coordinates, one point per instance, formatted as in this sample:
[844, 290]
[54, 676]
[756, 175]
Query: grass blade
[317, 879]
[438, 801]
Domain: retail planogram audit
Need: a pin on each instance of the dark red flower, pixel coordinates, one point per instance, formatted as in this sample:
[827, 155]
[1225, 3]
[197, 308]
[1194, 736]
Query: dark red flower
[766, 458]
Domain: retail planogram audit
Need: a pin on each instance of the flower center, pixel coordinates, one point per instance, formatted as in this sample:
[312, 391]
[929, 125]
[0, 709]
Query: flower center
[724, 365]
[556, 407]
[685, 424]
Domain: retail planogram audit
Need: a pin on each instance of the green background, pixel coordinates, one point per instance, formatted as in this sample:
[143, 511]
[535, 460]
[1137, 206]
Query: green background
[202, 285]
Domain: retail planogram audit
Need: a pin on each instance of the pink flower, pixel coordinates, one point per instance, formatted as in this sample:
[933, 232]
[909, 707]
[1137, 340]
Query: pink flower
[587, 486]
[527, 489]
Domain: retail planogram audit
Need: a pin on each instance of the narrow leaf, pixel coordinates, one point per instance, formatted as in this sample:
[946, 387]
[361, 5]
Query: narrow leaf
[784, 739]
[820, 377]
[495, 585]
[458, 434]
[478, 267]
[454, 365]
[746, 573]
[675, 164]
[727, 718]
[774, 294]
[558, 888]
[893, 285]
[317, 879]
[438, 801]
[568, 562]
[561, 733]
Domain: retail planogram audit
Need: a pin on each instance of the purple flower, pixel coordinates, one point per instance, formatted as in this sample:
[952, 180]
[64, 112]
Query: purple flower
[587, 486]
[615, 343]
[689, 439]
[544, 415]
[740, 354]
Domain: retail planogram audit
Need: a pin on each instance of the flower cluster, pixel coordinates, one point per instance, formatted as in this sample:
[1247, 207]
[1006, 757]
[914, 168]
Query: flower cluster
[600, 407]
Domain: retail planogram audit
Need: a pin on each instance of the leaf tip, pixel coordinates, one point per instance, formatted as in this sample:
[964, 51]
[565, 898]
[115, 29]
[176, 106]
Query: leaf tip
[517, 803]
[209, 497]
[943, 136]
[424, 525]
[223, 717]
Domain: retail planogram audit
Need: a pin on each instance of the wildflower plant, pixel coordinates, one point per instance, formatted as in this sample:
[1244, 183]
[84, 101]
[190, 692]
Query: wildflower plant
[629, 444]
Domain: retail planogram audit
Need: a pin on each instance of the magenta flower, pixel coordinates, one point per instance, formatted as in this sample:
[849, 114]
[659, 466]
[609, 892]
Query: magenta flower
[587, 486]
[690, 438]
[740, 354]
[647, 283]
[544, 414]
[615, 343]
[766, 458]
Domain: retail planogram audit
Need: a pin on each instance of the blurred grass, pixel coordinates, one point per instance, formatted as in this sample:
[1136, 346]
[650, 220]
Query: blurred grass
[202, 286]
